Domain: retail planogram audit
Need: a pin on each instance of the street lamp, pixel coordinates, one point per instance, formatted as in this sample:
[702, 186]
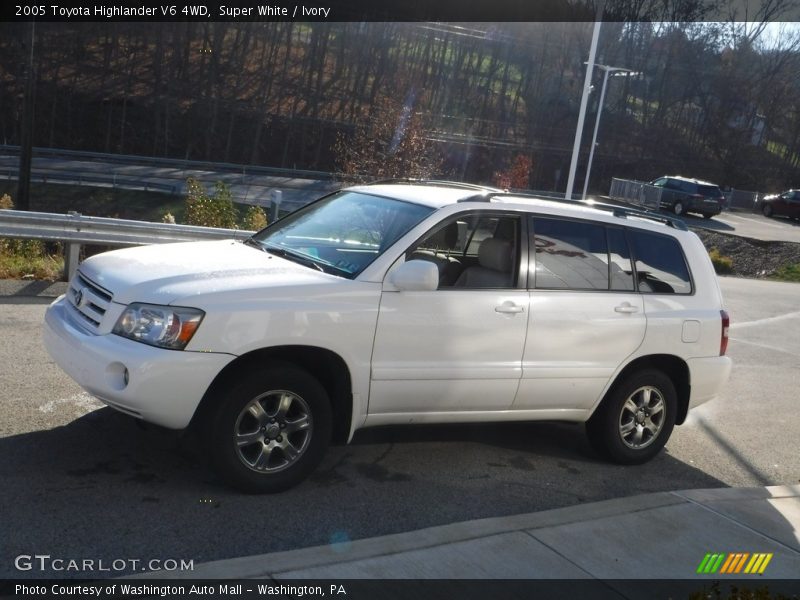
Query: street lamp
[613, 72]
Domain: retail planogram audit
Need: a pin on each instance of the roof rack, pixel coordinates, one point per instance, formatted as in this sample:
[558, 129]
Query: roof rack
[618, 211]
[438, 182]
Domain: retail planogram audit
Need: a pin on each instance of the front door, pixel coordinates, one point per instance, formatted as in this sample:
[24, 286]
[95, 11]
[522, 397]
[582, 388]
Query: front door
[458, 348]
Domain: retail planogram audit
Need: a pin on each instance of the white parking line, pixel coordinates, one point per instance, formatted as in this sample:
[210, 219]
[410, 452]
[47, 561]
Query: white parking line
[83, 401]
[765, 346]
[764, 222]
[767, 321]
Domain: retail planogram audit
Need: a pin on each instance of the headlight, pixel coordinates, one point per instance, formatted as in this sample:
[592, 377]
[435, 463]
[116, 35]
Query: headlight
[163, 326]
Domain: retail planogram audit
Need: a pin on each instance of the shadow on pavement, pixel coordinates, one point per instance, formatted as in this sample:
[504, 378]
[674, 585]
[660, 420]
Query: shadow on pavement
[25, 300]
[711, 224]
[101, 486]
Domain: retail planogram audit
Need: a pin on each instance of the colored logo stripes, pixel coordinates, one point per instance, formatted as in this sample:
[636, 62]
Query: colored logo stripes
[735, 562]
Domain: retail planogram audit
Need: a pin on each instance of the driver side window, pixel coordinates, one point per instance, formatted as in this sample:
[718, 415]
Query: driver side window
[473, 251]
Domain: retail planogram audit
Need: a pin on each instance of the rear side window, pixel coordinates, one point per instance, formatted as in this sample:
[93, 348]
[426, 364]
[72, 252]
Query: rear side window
[570, 255]
[673, 184]
[660, 264]
[619, 268]
[709, 191]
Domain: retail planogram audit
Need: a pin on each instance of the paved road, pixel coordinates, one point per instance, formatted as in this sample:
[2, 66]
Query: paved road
[752, 225]
[81, 481]
[246, 187]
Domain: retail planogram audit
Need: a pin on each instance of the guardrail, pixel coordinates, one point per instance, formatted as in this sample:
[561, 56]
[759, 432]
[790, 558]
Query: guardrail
[199, 165]
[74, 230]
[108, 180]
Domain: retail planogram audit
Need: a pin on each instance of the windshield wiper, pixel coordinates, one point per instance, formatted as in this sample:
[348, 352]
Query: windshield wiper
[254, 243]
[294, 256]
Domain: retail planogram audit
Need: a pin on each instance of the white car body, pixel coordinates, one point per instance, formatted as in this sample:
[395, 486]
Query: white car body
[446, 355]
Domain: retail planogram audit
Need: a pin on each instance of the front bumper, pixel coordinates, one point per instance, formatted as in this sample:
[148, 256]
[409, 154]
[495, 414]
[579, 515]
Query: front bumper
[708, 376]
[162, 386]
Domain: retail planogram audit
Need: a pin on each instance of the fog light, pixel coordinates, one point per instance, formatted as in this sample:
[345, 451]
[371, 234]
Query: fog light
[117, 376]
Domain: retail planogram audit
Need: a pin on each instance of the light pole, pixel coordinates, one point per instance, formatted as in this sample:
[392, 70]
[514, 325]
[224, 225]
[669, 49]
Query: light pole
[608, 71]
[587, 85]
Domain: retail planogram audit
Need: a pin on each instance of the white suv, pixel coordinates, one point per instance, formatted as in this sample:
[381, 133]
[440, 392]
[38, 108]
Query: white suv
[402, 302]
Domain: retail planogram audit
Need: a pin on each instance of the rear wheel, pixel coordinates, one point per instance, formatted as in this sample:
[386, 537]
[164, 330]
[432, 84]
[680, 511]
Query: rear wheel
[707, 215]
[635, 419]
[270, 431]
[767, 210]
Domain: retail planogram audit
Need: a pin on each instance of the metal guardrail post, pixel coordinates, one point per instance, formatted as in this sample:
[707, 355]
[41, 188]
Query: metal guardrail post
[72, 256]
[72, 251]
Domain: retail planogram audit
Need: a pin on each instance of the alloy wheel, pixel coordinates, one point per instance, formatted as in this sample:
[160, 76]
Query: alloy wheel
[642, 417]
[273, 431]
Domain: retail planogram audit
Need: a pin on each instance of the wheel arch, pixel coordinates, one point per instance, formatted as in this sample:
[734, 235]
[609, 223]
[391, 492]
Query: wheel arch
[672, 366]
[329, 368]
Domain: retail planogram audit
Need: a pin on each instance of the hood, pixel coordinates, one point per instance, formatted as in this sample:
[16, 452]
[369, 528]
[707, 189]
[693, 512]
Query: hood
[169, 273]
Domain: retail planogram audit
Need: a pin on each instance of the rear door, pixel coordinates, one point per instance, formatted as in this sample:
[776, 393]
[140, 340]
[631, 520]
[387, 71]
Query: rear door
[585, 319]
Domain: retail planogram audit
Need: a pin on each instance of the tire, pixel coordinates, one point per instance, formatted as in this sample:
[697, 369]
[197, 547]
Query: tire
[707, 215]
[767, 210]
[678, 208]
[259, 411]
[623, 430]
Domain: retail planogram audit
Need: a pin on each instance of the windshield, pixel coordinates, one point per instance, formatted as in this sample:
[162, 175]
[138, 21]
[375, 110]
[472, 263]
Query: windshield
[343, 233]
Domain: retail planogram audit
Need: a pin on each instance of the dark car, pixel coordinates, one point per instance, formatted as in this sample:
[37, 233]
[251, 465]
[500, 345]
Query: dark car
[785, 204]
[681, 195]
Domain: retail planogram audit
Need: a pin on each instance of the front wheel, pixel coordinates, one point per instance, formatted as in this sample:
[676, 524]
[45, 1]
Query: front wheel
[767, 210]
[707, 215]
[678, 208]
[635, 419]
[270, 431]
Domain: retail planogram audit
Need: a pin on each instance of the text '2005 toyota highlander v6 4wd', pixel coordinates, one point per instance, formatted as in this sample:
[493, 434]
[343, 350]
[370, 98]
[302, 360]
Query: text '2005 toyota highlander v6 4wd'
[402, 302]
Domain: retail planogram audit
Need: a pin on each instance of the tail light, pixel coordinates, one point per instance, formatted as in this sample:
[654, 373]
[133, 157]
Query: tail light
[723, 340]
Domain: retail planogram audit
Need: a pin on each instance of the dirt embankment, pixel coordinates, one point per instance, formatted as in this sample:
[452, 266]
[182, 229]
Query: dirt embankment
[751, 258]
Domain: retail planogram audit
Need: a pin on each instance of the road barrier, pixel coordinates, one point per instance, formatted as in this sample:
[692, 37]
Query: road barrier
[74, 230]
[175, 163]
[635, 192]
[648, 195]
[104, 180]
[742, 199]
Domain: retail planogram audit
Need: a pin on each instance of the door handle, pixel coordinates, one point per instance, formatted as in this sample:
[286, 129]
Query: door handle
[509, 308]
[626, 307]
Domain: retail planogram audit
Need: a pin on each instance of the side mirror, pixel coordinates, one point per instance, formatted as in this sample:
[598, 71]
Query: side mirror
[416, 276]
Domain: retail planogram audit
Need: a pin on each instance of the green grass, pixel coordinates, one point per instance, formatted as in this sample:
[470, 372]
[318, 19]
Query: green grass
[788, 273]
[16, 263]
[722, 264]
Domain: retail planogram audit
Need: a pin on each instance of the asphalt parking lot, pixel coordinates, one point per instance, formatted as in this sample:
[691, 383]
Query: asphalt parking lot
[749, 224]
[82, 481]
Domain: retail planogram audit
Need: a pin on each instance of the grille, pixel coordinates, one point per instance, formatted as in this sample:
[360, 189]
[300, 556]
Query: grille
[88, 300]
